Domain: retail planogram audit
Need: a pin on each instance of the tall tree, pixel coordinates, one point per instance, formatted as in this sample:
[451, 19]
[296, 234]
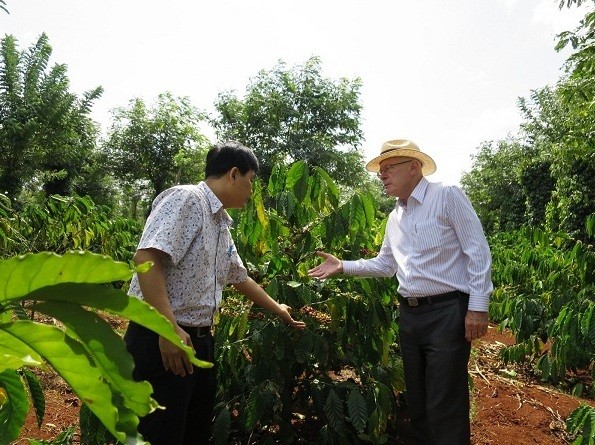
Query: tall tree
[292, 114]
[150, 149]
[46, 134]
[560, 125]
[550, 170]
[494, 187]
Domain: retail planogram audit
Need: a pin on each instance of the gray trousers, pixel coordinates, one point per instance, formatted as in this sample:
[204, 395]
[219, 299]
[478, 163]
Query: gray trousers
[435, 357]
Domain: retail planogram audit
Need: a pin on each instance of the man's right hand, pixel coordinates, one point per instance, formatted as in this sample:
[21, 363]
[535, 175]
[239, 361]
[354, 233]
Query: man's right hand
[174, 359]
[329, 267]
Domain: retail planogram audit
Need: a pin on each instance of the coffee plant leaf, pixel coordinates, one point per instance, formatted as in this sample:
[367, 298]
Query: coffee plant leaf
[24, 274]
[15, 406]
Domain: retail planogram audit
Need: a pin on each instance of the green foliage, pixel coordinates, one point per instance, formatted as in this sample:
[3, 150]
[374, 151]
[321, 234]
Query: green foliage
[574, 198]
[590, 226]
[537, 184]
[293, 114]
[545, 288]
[36, 392]
[545, 293]
[66, 437]
[343, 369]
[496, 191]
[545, 178]
[46, 134]
[570, 3]
[151, 149]
[14, 410]
[582, 421]
[93, 432]
[66, 223]
[86, 352]
[561, 124]
[580, 63]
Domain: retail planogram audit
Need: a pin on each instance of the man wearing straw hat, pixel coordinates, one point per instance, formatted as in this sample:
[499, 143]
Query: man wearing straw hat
[435, 245]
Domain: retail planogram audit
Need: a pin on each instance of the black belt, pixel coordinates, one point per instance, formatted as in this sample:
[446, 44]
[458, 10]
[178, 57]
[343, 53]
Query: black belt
[431, 299]
[198, 332]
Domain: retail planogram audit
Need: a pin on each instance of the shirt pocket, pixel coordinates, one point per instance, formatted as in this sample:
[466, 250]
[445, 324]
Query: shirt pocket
[430, 234]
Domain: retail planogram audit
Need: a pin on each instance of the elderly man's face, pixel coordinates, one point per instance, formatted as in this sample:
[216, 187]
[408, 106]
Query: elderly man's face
[397, 176]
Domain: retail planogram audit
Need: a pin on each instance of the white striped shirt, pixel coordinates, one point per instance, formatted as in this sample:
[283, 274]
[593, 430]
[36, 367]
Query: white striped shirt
[434, 244]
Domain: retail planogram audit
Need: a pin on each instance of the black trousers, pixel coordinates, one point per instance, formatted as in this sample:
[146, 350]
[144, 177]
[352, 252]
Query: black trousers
[435, 358]
[189, 401]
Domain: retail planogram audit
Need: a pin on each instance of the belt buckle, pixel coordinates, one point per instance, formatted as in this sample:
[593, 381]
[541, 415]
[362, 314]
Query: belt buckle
[412, 301]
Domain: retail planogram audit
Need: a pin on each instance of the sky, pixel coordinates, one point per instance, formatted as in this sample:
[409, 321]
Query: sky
[446, 75]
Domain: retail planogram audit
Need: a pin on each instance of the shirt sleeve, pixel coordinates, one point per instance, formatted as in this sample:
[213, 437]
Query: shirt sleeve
[237, 271]
[383, 265]
[474, 245]
[175, 220]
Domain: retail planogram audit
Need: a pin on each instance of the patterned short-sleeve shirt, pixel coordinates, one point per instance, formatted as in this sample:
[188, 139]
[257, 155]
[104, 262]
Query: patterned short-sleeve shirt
[190, 225]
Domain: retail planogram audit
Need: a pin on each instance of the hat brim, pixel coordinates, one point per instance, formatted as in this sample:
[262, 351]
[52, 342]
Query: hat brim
[428, 164]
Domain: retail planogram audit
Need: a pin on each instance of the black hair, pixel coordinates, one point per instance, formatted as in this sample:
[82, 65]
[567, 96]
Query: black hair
[223, 157]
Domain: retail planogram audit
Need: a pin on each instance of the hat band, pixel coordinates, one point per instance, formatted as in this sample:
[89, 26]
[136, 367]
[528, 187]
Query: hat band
[390, 149]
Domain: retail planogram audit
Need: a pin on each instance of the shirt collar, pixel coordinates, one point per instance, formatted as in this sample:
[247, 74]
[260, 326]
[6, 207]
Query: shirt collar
[418, 193]
[215, 204]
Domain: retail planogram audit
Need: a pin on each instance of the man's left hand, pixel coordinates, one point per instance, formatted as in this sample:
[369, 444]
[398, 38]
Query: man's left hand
[286, 316]
[476, 325]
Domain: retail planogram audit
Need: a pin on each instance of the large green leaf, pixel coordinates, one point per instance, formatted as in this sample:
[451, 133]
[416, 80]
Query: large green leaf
[357, 215]
[118, 303]
[297, 179]
[254, 408]
[317, 197]
[222, 426]
[332, 190]
[36, 392]
[588, 322]
[257, 202]
[276, 180]
[14, 355]
[13, 411]
[358, 410]
[71, 361]
[582, 421]
[369, 207]
[333, 408]
[107, 351]
[23, 274]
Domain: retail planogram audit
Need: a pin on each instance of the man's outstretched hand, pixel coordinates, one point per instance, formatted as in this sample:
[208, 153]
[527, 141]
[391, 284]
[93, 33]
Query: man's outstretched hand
[329, 267]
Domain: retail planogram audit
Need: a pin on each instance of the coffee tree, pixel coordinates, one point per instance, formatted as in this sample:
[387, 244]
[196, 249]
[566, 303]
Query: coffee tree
[544, 293]
[343, 370]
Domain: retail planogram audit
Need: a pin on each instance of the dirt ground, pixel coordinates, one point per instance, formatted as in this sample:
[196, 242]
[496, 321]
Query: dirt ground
[508, 406]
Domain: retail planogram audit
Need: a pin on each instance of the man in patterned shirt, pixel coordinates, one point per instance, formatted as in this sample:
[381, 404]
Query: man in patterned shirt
[187, 238]
[435, 245]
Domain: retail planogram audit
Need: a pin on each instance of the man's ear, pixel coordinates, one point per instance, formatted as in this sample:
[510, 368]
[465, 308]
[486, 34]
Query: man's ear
[233, 172]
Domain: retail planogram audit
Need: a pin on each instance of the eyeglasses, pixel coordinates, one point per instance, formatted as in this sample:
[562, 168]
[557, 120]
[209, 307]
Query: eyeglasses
[388, 168]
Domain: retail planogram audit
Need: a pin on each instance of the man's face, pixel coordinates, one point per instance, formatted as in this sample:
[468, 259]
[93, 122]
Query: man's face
[243, 188]
[394, 174]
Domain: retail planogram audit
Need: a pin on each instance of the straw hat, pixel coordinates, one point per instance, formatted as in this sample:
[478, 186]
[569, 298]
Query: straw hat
[405, 148]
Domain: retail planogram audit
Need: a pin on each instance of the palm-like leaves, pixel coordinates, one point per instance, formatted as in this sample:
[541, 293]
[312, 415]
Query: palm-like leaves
[45, 130]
